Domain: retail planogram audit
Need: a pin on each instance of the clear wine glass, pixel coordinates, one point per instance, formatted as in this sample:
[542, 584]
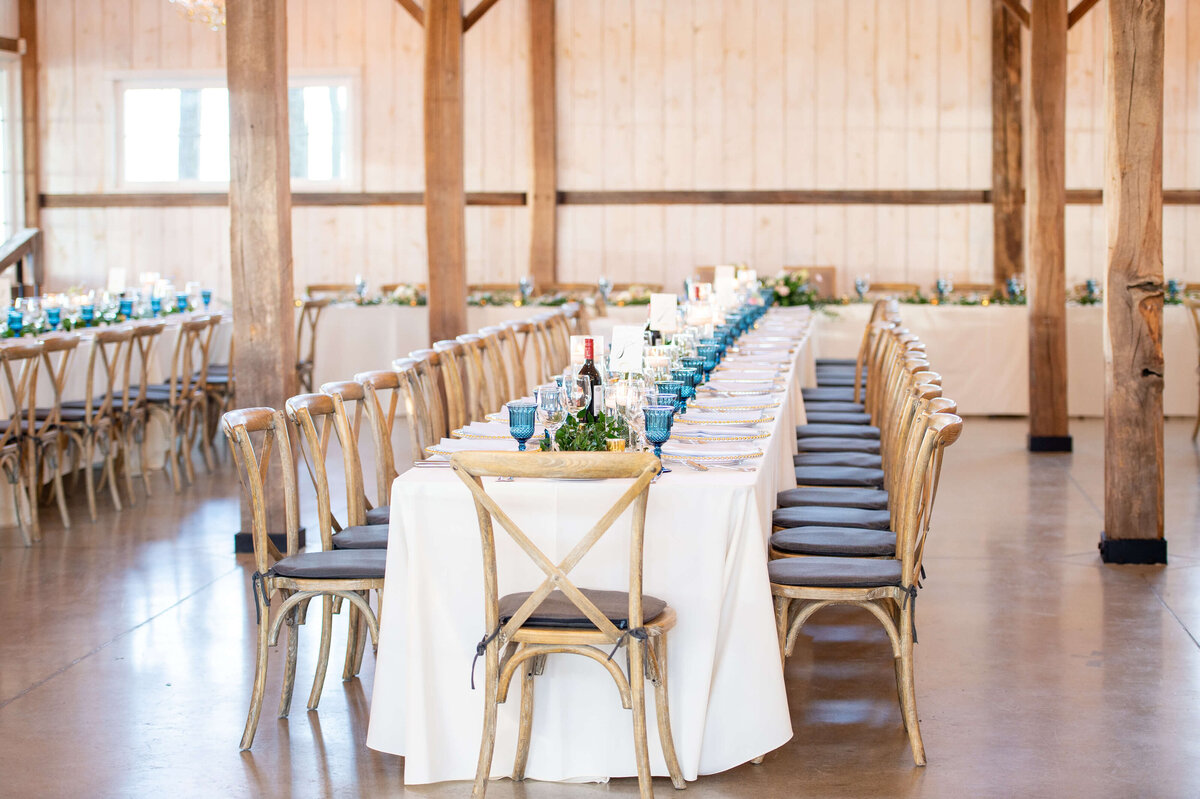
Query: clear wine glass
[551, 410]
[578, 390]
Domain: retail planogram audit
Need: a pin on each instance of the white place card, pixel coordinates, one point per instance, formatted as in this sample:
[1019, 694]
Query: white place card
[662, 312]
[116, 280]
[627, 347]
[728, 271]
[726, 291]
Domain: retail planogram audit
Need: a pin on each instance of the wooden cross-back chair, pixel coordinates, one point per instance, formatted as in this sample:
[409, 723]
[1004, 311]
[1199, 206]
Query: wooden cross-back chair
[896, 289]
[92, 423]
[49, 433]
[306, 338]
[181, 402]
[887, 588]
[133, 404]
[352, 407]
[383, 391]
[422, 427]
[479, 393]
[496, 367]
[349, 575]
[577, 318]
[330, 291]
[1193, 306]
[427, 379]
[19, 361]
[560, 617]
[390, 288]
[450, 374]
[522, 350]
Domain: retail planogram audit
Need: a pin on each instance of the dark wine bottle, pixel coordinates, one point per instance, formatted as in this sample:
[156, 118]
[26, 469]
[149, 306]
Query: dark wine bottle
[589, 369]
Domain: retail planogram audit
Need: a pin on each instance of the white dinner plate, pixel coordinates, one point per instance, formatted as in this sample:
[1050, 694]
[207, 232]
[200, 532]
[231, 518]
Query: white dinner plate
[725, 404]
[706, 433]
[740, 387]
[717, 417]
[710, 452]
[448, 446]
[492, 430]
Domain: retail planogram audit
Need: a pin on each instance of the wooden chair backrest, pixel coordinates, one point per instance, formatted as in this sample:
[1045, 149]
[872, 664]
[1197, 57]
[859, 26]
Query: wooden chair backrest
[963, 289]
[495, 365]
[331, 291]
[141, 348]
[938, 431]
[318, 421]
[512, 336]
[421, 424]
[477, 393]
[897, 289]
[253, 463]
[306, 345]
[705, 274]
[390, 288]
[382, 391]
[19, 359]
[350, 404]
[450, 369]
[110, 351]
[1193, 306]
[655, 288]
[472, 467]
[57, 352]
[490, 287]
[189, 358]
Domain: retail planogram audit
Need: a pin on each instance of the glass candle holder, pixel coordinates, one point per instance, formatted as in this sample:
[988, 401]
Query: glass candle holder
[521, 418]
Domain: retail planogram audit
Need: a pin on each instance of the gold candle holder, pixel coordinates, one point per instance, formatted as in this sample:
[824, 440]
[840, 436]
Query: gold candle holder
[614, 444]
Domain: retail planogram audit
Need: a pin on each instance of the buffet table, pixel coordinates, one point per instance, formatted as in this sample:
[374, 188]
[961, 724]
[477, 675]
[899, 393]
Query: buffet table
[705, 554]
[982, 353]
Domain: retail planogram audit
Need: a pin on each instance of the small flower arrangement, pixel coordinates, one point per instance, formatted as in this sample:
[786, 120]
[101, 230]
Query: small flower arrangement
[407, 294]
[485, 298]
[577, 435]
[634, 295]
[793, 289]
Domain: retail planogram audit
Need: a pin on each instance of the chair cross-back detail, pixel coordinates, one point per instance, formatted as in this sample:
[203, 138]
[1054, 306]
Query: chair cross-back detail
[19, 361]
[306, 339]
[420, 423]
[133, 403]
[346, 575]
[511, 345]
[382, 392]
[559, 617]
[1193, 306]
[181, 402]
[49, 434]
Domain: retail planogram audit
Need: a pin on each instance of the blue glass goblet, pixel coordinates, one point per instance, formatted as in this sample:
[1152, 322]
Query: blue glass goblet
[206, 296]
[709, 353]
[87, 313]
[16, 320]
[156, 305]
[687, 377]
[126, 307]
[53, 317]
[181, 301]
[521, 416]
[659, 419]
[694, 362]
[672, 389]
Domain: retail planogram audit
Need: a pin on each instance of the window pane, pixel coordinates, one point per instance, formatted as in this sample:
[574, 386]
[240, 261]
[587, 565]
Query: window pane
[214, 135]
[151, 131]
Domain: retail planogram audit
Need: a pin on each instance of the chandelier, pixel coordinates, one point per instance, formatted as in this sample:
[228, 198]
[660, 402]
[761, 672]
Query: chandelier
[206, 12]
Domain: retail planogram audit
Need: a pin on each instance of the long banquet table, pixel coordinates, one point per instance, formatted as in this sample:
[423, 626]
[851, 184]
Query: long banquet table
[705, 554]
[982, 353]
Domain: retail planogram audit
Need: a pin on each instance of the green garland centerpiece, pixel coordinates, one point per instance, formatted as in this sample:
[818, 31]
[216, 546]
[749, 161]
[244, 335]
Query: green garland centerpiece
[577, 435]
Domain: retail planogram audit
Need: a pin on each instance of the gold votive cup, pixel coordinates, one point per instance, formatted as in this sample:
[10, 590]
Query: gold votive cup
[614, 444]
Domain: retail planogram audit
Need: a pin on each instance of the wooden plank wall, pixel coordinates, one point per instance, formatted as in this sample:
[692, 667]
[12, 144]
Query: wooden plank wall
[652, 94]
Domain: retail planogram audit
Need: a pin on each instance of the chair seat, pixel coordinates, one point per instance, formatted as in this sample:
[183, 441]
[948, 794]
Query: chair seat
[365, 536]
[837, 430]
[835, 572]
[838, 476]
[833, 407]
[861, 460]
[851, 362]
[340, 564]
[380, 515]
[835, 381]
[836, 417]
[829, 516]
[828, 394]
[834, 444]
[559, 612]
[843, 496]
[71, 414]
[835, 542]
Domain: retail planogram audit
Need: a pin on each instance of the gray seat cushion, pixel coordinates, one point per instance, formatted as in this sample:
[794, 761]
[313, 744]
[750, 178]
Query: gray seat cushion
[838, 476]
[861, 460]
[557, 610]
[830, 516]
[836, 417]
[72, 414]
[835, 572]
[344, 564]
[834, 444]
[837, 430]
[364, 536]
[833, 407]
[837, 362]
[380, 515]
[835, 381]
[828, 394]
[843, 496]
[835, 541]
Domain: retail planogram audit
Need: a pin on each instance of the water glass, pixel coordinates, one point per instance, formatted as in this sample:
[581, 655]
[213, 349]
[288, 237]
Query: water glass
[16, 320]
[87, 313]
[156, 305]
[687, 377]
[521, 416]
[695, 363]
[53, 317]
[127, 307]
[672, 389]
[659, 419]
[206, 296]
[709, 353]
[181, 301]
[578, 390]
[551, 410]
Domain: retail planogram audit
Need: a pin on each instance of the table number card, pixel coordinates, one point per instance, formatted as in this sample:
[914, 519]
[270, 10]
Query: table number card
[662, 313]
[726, 291]
[116, 280]
[627, 344]
[727, 271]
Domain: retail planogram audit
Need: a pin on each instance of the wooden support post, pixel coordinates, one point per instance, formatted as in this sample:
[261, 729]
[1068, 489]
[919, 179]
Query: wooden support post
[445, 198]
[1047, 283]
[1133, 298]
[27, 24]
[1008, 187]
[260, 209]
[543, 194]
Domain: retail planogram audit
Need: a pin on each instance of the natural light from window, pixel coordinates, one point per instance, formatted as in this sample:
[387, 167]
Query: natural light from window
[181, 135]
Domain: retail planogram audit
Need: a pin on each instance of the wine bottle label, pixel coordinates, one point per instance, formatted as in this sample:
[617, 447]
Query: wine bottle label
[589, 349]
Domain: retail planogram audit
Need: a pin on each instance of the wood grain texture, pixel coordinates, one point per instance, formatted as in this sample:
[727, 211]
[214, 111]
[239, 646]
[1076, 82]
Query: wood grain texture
[476, 13]
[543, 159]
[1133, 343]
[30, 134]
[1047, 198]
[1008, 208]
[414, 10]
[306, 199]
[445, 197]
[1080, 11]
[260, 203]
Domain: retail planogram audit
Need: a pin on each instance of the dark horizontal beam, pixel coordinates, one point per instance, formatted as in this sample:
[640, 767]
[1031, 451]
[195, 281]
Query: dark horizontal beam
[221, 199]
[780, 197]
[1079, 12]
[10, 45]
[1018, 10]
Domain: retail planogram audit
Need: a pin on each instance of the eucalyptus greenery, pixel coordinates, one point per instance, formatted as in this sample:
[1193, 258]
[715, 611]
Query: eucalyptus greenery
[577, 435]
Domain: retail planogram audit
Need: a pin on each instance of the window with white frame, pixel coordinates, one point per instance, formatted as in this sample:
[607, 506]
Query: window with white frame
[178, 132]
[10, 180]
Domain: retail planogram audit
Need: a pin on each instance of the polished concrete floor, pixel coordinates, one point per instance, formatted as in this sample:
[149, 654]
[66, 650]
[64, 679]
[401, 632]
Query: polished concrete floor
[126, 657]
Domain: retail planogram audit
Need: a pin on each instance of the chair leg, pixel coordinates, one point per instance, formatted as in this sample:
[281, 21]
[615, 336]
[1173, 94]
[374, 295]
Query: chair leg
[260, 676]
[19, 504]
[199, 433]
[908, 691]
[1196, 428]
[782, 605]
[89, 479]
[348, 671]
[289, 670]
[487, 746]
[314, 697]
[110, 469]
[127, 463]
[662, 710]
[30, 489]
[59, 493]
[363, 635]
[526, 725]
[637, 695]
[145, 462]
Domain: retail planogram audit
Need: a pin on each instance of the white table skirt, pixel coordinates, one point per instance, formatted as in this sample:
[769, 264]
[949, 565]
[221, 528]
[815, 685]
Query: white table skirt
[982, 354]
[705, 554]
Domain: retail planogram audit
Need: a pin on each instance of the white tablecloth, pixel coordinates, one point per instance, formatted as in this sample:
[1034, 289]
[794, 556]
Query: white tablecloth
[705, 554]
[982, 354]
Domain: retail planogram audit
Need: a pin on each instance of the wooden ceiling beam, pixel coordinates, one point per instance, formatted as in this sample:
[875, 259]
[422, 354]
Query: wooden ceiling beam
[1018, 10]
[414, 10]
[481, 8]
[1080, 11]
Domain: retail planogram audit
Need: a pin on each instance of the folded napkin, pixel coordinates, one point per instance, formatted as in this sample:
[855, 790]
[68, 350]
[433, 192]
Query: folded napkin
[474, 445]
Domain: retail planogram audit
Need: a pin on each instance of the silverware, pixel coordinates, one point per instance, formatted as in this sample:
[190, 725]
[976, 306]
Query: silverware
[432, 464]
[700, 467]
